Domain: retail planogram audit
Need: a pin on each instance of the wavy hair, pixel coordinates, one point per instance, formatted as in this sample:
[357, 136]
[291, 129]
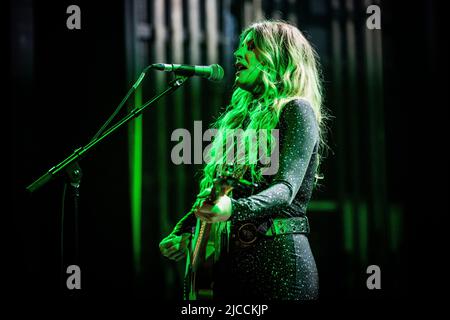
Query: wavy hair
[290, 70]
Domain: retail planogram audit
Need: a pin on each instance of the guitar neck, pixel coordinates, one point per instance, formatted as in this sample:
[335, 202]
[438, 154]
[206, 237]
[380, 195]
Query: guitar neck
[200, 245]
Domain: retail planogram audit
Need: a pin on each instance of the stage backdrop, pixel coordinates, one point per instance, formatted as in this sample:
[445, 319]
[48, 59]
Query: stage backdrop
[68, 82]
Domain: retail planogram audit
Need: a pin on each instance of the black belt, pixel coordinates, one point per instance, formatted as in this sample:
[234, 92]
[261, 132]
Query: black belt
[245, 234]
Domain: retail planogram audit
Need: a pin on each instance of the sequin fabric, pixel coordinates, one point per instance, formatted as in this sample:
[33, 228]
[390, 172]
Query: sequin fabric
[280, 267]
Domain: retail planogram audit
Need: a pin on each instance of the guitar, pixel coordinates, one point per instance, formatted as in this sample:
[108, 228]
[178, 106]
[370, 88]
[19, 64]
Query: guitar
[204, 246]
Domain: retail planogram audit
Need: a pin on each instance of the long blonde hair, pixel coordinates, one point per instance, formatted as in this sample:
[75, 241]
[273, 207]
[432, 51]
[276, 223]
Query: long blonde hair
[290, 70]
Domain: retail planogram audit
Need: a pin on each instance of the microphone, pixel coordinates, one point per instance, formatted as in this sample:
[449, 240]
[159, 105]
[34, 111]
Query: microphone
[213, 72]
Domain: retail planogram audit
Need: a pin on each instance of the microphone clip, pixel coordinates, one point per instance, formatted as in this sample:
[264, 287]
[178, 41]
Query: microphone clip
[178, 81]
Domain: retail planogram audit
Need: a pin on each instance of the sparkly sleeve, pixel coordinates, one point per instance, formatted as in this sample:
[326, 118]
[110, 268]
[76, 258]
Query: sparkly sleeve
[298, 136]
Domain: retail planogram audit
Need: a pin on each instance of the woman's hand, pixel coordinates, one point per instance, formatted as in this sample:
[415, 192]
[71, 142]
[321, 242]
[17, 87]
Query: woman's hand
[175, 247]
[219, 211]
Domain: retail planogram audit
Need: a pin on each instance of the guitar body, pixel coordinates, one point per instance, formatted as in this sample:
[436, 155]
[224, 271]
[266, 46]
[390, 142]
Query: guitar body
[200, 262]
[206, 245]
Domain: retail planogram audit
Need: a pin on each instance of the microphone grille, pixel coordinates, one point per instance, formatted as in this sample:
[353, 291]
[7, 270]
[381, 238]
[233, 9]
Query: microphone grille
[216, 73]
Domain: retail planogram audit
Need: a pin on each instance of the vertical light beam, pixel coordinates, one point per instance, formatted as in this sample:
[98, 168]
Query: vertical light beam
[135, 161]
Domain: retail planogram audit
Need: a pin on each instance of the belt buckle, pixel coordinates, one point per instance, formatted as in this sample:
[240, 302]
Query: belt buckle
[247, 234]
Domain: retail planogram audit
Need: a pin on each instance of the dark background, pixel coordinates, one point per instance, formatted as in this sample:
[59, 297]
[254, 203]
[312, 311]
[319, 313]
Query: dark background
[65, 83]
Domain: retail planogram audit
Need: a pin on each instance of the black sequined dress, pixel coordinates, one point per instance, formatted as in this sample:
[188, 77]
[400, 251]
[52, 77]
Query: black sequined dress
[280, 267]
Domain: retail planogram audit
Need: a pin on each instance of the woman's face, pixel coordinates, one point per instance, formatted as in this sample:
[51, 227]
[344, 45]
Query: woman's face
[248, 67]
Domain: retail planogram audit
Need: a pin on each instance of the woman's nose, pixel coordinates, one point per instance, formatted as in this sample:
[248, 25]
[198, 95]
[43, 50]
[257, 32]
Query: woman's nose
[237, 54]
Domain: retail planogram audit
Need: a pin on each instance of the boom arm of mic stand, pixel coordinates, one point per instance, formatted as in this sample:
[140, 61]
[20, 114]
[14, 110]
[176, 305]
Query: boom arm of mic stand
[81, 152]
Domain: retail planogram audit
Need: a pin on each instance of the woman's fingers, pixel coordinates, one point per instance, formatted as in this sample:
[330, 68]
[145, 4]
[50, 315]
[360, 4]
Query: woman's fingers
[178, 256]
[167, 242]
[185, 236]
[206, 207]
[173, 240]
[166, 245]
[174, 247]
[205, 217]
[171, 253]
[204, 213]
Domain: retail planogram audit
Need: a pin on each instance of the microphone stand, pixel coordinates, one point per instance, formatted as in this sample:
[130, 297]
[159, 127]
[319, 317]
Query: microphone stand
[70, 165]
[72, 185]
[81, 152]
